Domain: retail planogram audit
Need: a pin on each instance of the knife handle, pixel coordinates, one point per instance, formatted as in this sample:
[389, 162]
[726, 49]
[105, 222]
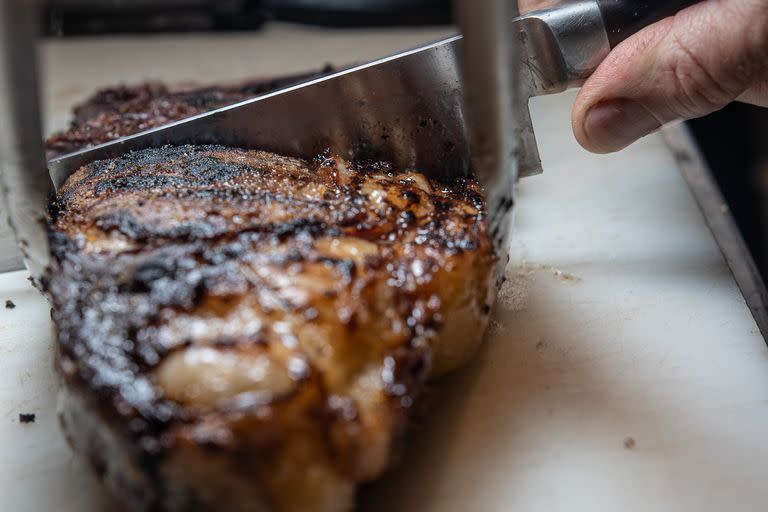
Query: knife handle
[624, 18]
[565, 44]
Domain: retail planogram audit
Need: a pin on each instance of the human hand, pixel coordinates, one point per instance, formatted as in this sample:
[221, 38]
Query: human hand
[683, 67]
[532, 5]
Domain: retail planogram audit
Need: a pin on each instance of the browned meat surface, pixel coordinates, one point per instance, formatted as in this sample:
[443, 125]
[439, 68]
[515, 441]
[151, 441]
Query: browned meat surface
[241, 331]
[115, 112]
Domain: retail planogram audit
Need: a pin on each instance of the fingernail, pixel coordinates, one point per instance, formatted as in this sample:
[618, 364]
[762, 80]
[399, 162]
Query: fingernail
[615, 124]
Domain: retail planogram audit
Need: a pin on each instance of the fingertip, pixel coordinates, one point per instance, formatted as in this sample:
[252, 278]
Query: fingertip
[612, 125]
[603, 107]
[579, 117]
[577, 123]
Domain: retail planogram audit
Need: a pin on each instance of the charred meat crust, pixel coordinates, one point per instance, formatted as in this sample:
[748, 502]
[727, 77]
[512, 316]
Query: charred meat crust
[178, 271]
[116, 112]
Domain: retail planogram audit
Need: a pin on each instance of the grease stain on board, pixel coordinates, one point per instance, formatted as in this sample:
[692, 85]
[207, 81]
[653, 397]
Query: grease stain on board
[518, 281]
[557, 273]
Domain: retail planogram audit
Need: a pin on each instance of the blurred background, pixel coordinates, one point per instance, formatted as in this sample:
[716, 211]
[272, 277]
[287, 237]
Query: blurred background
[734, 141]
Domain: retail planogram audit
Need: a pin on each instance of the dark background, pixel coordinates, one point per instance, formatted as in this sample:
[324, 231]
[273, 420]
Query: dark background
[734, 141]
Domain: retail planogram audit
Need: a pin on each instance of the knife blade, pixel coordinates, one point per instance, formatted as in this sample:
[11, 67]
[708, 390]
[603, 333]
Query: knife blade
[407, 108]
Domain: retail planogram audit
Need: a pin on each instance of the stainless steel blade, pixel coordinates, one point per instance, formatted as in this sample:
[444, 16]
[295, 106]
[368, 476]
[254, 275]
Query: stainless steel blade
[23, 179]
[407, 108]
[492, 89]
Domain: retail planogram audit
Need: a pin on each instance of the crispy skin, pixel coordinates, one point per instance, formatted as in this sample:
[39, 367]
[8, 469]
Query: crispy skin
[241, 331]
[116, 112]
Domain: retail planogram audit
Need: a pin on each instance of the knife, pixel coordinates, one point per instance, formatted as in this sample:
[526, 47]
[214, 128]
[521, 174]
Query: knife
[543, 52]
[407, 108]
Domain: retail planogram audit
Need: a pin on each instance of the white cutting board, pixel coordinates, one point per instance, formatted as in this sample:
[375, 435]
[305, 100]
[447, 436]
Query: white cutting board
[623, 372]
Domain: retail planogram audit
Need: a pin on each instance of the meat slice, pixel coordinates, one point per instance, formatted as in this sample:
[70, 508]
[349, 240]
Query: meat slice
[116, 112]
[242, 331]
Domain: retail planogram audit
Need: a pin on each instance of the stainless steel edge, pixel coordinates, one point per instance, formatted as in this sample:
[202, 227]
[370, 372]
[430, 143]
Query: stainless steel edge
[23, 176]
[406, 108]
[565, 45]
[491, 89]
[559, 48]
[720, 221]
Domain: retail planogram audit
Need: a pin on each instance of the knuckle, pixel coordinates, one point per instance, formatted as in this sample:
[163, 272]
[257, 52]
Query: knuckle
[715, 55]
[695, 92]
[697, 89]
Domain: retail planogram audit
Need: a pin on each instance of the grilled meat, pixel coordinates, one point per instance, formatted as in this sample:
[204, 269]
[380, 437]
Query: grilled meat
[116, 112]
[242, 331]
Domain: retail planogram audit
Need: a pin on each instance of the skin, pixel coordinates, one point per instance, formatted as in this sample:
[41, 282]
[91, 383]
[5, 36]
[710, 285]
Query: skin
[683, 67]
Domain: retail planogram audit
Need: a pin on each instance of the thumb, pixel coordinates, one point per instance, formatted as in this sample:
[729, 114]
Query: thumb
[682, 67]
